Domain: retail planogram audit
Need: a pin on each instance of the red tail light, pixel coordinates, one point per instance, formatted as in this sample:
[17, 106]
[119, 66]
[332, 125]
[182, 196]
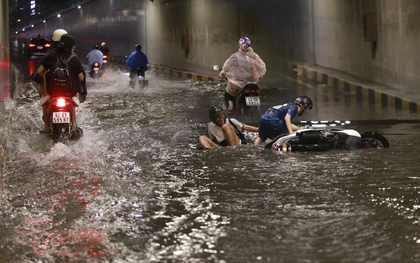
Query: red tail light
[96, 65]
[32, 45]
[105, 57]
[253, 90]
[47, 45]
[61, 102]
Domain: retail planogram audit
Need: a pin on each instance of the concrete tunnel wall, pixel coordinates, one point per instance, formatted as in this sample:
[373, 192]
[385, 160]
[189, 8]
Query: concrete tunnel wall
[327, 33]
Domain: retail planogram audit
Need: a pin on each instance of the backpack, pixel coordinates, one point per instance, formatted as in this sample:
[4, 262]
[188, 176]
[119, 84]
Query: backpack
[60, 76]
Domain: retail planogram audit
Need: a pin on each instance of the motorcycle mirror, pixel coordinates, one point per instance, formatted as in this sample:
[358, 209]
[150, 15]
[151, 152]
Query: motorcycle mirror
[217, 67]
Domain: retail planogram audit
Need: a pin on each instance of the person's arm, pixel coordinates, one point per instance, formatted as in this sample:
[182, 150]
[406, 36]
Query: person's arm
[288, 120]
[250, 128]
[42, 72]
[80, 76]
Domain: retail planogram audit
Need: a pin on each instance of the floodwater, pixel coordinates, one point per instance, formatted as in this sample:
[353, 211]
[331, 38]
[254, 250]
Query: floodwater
[136, 188]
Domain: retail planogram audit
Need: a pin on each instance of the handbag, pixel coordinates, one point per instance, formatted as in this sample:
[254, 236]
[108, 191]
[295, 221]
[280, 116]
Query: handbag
[240, 135]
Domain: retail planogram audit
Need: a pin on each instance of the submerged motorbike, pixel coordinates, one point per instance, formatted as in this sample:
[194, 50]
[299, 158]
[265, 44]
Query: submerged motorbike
[95, 72]
[60, 111]
[247, 101]
[139, 75]
[327, 139]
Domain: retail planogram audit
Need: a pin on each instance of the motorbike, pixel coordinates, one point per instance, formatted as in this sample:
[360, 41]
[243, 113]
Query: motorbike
[60, 112]
[139, 76]
[105, 63]
[319, 139]
[247, 101]
[95, 72]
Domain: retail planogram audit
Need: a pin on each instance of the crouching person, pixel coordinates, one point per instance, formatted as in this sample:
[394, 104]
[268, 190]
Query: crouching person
[224, 131]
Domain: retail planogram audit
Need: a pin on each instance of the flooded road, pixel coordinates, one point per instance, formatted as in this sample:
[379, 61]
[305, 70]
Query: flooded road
[135, 187]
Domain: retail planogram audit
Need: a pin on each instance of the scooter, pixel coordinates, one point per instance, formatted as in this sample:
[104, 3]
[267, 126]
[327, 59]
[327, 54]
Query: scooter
[60, 112]
[95, 72]
[139, 76]
[247, 101]
[105, 63]
[307, 140]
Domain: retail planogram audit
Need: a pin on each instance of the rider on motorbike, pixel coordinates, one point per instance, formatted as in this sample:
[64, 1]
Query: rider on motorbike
[104, 49]
[137, 59]
[278, 119]
[95, 55]
[35, 78]
[64, 49]
[240, 68]
[223, 131]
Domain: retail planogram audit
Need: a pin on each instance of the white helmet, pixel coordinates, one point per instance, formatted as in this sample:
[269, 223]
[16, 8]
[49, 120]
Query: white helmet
[57, 34]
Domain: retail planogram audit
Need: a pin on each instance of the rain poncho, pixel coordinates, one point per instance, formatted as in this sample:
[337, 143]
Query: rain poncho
[242, 67]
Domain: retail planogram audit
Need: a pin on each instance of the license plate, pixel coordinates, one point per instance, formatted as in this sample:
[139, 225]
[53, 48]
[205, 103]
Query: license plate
[61, 117]
[252, 101]
[40, 47]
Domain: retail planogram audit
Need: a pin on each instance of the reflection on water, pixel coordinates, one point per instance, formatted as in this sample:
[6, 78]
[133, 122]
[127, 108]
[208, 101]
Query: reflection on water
[135, 188]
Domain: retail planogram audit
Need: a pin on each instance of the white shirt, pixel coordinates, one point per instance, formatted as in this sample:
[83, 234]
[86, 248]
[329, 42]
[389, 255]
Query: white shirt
[215, 132]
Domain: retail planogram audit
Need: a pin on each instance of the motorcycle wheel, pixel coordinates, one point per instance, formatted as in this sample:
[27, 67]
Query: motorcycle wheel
[60, 133]
[373, 140]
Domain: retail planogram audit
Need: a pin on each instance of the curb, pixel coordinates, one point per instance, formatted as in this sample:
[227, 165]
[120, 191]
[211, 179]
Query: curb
[309, 76]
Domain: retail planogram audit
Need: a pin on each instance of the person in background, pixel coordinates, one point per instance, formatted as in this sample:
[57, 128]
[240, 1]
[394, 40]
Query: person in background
[95, 55]
[224, 131]
[104, 49]
[137, 59]
[278, 119]
[240, 68]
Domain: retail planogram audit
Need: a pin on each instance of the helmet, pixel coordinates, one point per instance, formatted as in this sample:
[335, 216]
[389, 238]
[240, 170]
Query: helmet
[57, 34]
[138, 46]
[214, 111]
[103, 44]
[243, 41]
[305, 102]
[95, 46]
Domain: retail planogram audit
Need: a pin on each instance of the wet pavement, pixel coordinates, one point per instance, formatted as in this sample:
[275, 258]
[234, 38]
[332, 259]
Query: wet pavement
[135, 188]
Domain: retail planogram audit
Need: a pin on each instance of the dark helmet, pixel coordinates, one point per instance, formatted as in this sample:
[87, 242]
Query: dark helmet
[138, 46]
[95, 46]
[214, 111]
[305, 102]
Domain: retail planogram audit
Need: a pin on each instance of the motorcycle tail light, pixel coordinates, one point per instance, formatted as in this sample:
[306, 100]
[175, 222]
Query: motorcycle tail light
[253, 90]
[61, 102]
[96, 64]
[105, 57]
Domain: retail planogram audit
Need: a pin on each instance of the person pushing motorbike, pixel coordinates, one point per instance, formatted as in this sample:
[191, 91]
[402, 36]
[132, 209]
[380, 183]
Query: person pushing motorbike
[224, 131]
[240, 68]
[278, 119]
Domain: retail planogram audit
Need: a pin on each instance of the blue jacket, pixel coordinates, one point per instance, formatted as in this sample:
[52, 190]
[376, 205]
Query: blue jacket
[137, 59]
[94, 56]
